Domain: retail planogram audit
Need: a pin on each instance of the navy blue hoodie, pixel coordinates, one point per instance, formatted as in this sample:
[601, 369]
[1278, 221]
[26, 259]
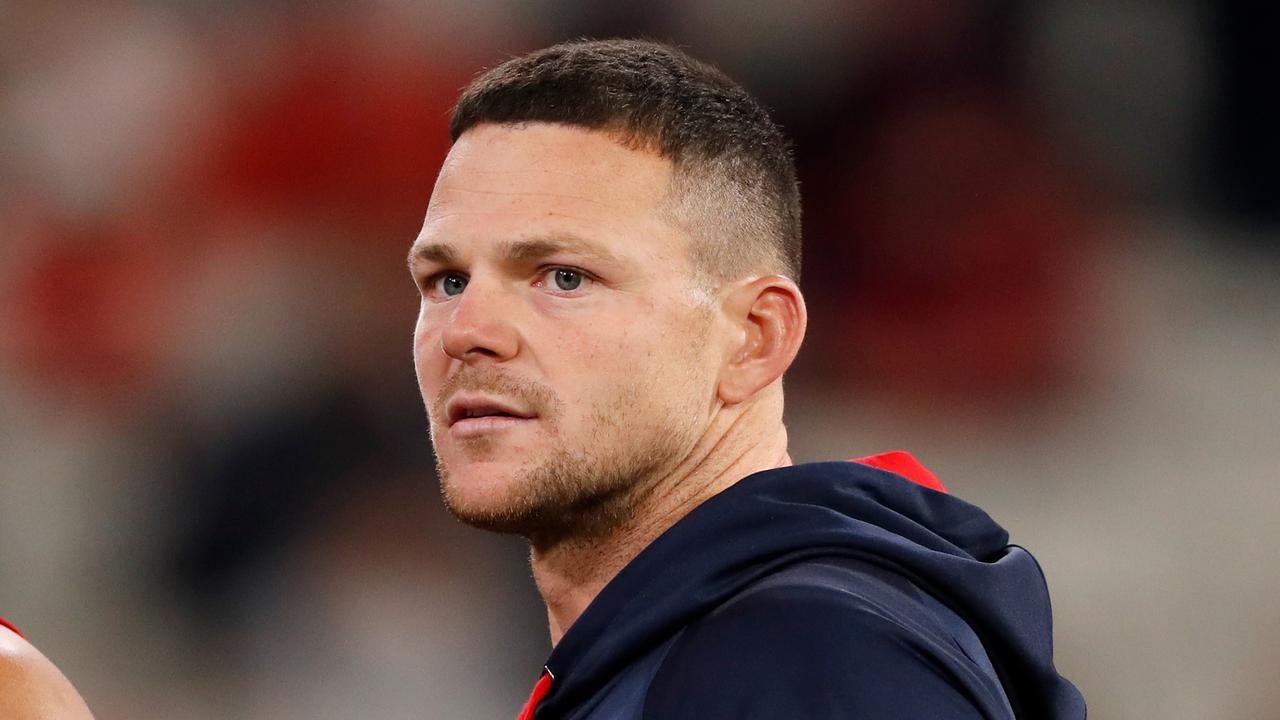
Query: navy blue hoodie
[830, 590]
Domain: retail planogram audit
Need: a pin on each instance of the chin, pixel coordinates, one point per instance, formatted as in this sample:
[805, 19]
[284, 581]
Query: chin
[485, 495]
[544, 504]
[480, 484]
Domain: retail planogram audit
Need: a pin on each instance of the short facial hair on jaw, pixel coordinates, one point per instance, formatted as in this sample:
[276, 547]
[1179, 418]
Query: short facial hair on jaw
[572, 492]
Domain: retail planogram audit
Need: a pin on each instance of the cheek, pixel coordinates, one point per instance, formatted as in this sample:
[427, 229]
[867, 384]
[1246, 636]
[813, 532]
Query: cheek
[656, 337]
[427, 356]
[647, 357]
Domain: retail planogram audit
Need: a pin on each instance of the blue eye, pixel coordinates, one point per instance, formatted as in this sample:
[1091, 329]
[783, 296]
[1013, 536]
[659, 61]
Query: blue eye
[449, 284]
[568, 280]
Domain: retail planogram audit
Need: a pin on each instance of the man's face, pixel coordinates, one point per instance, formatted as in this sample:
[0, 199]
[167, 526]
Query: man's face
[563, 349]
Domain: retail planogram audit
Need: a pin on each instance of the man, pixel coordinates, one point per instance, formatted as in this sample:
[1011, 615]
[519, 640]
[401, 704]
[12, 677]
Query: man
[31, 687]
[608, 271]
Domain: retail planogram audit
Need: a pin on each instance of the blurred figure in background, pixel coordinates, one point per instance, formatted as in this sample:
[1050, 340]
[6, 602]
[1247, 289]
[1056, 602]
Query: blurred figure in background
[31, 687]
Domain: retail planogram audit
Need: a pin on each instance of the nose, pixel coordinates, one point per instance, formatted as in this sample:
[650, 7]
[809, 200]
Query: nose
[480, 325]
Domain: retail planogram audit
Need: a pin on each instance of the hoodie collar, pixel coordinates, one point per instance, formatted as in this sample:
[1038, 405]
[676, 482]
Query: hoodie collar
[765, 521]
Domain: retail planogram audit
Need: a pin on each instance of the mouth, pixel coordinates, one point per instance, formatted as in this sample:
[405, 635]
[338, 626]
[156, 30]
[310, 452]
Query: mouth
[474, 415]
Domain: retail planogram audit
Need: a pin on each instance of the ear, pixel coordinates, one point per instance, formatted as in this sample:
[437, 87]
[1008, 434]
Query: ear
[768, 317]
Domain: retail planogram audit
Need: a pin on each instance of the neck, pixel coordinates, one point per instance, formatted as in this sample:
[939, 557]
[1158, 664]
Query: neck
[571, 571]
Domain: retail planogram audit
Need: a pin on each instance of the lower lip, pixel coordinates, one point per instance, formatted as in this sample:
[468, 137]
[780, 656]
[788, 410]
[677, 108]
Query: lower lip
[475, 427]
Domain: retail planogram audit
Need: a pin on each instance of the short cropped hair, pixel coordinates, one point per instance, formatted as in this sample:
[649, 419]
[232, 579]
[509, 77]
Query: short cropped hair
[734, 185]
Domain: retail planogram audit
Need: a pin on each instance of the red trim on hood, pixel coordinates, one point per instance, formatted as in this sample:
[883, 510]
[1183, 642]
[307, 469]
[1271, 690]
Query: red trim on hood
[539, 691]
[6, 623]
[903, 463]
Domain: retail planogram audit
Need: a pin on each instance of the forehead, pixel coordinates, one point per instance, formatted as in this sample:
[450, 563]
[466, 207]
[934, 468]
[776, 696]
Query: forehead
[504, 182]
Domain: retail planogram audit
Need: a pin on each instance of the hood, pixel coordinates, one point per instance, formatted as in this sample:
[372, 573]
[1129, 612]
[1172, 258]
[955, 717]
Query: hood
[771, 519]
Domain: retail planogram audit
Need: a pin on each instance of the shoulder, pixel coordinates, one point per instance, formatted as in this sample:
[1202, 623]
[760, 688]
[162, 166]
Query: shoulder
[819, 640]
[32, 687]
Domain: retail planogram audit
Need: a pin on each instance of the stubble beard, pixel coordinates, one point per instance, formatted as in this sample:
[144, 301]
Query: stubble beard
[585, 492]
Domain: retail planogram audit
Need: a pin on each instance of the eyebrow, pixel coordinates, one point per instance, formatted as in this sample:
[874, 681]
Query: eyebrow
[523, 250]
[439, 253]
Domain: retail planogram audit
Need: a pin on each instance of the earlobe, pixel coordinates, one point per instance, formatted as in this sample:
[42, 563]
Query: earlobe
[771, 316]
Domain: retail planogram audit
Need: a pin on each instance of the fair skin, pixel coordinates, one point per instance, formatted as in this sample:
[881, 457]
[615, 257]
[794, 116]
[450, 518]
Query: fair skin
[586, 387]
[31, 687]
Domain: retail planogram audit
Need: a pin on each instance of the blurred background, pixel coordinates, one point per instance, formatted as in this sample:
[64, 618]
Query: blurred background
[1043, 254]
